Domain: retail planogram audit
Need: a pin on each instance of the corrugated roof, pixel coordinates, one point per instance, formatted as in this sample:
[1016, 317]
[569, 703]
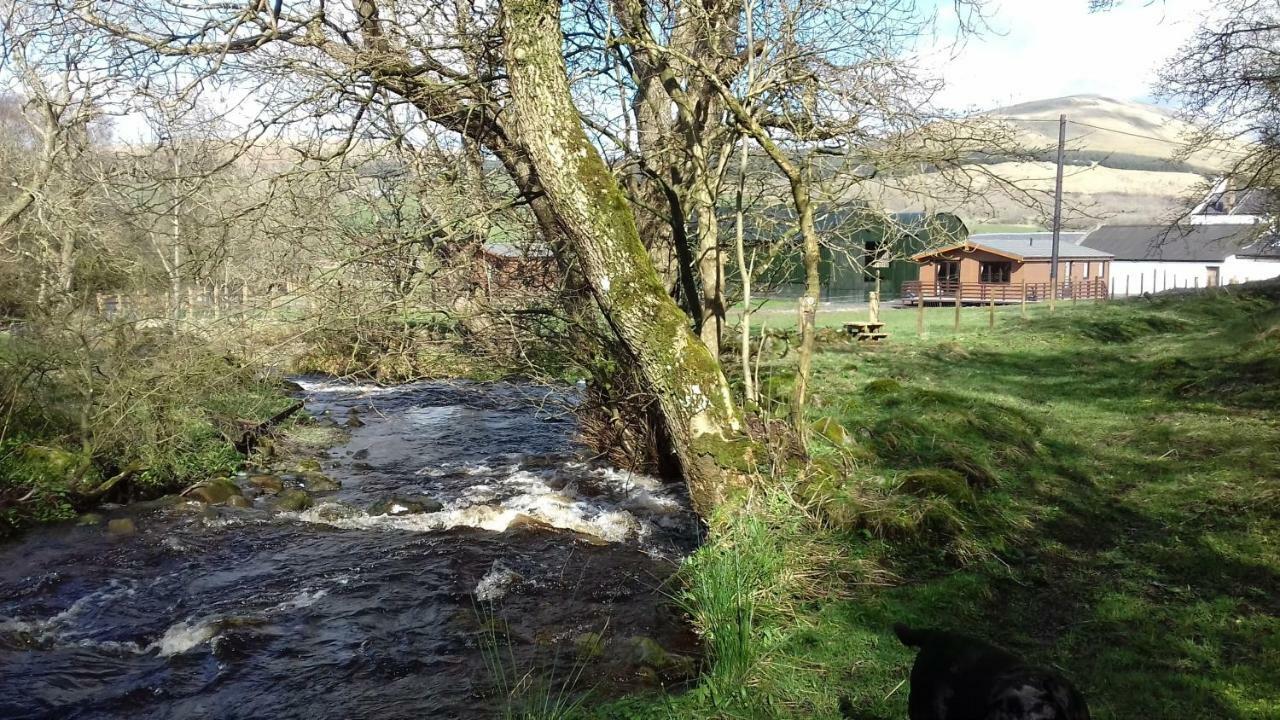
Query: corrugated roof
[1029, 246]
[1181, 243]
[1037, 246]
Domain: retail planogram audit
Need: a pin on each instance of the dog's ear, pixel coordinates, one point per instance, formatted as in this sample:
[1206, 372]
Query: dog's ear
[909, 637]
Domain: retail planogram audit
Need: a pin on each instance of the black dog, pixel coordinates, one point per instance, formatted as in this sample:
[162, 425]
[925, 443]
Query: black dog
[960, 678]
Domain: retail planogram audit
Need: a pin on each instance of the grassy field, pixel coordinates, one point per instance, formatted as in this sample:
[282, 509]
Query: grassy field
[900, 322]
[1098, 489]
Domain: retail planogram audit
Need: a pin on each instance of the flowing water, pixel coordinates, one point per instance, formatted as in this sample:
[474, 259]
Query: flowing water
[538, 558]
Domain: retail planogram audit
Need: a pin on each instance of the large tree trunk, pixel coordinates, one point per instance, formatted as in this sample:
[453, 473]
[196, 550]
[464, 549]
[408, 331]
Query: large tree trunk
[600, 228]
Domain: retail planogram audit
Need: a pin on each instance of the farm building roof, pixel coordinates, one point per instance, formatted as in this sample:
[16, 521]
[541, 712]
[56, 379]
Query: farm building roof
[1182, 243]
[1026, 246]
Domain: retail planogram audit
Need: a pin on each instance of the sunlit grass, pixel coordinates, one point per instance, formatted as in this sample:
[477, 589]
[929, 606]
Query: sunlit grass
[1097, 488]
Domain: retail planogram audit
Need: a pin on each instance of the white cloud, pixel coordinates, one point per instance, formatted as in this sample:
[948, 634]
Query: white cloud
[1049, 48]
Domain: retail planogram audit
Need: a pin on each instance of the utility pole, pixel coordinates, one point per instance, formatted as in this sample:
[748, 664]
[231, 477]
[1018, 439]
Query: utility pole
[1057, 212]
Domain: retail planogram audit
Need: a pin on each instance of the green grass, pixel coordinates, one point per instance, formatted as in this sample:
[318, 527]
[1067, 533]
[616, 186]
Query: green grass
[899, 321]
[117, 415]
[1097, 489]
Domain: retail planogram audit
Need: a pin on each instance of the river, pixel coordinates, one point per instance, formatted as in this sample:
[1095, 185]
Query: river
[551, 564]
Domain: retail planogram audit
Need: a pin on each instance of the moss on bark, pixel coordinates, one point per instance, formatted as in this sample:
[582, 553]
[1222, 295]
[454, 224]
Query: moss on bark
[600, 228]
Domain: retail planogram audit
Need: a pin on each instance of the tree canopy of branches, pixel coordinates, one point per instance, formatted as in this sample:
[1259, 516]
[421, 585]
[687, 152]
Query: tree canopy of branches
[1227, 78]
[606, 127]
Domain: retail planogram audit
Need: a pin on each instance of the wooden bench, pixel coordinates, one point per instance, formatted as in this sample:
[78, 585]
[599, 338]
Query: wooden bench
[866, 331]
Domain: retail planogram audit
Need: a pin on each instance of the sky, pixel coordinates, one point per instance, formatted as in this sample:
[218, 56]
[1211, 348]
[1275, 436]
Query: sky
[1037, 49]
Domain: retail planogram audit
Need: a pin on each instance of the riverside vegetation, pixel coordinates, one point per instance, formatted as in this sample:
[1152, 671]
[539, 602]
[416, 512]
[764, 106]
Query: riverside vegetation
[110, 412]
[95, 410]
[1096, 489]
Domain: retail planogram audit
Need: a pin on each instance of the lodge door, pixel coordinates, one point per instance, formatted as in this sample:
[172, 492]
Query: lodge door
[948, 272]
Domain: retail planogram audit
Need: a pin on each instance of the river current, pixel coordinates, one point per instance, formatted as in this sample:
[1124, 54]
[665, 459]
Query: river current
[539, 564]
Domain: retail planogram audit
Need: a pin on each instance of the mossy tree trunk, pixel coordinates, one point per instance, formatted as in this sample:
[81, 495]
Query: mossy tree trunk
[599, 226]
[802, 199]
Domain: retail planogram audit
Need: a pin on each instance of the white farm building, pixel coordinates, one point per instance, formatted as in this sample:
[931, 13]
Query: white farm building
[1153, 258]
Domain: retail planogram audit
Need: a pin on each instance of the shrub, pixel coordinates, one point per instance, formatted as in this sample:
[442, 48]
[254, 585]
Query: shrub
[80, 405]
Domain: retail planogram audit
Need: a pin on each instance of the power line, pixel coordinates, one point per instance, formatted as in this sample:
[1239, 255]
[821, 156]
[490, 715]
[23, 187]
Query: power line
[1126, 132]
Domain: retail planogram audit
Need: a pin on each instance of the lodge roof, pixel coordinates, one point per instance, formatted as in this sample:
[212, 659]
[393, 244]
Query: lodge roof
[1183, 243]
[1025, 246]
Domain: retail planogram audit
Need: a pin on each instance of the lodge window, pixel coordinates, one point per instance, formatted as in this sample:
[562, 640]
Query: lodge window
[1086, 269]
[948, 271]
[995, 272]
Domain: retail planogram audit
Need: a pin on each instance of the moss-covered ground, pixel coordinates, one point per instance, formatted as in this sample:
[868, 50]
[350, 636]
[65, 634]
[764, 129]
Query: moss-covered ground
[1097, 489]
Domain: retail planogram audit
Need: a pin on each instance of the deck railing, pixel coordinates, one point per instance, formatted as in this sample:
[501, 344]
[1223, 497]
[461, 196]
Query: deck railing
[1014, 292]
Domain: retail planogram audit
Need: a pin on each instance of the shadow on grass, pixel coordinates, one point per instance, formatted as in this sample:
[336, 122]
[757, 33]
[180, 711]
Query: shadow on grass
[1141, 450]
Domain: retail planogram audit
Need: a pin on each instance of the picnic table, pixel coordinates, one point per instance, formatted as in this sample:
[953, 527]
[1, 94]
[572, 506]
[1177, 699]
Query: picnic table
[866, 331]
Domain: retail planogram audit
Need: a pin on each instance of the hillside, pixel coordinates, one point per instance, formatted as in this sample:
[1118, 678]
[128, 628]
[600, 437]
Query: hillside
[1123, 166]
[1113, 133]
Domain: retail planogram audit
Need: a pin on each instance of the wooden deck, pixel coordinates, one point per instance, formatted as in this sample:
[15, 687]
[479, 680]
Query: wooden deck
[979, 293]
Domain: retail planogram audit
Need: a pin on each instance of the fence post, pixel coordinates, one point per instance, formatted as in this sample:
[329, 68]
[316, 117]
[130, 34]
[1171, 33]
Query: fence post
[959, 292]
[1142, 284]
[1024, 299]
[920, 312]
[991, 311]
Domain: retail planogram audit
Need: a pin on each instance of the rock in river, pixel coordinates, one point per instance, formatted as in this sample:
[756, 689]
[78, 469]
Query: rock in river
[405, 505]
[121, 527]
[309, 465]
[214, 492]
[320, 483]
[267, 483]
[332, 512]
[293, 500]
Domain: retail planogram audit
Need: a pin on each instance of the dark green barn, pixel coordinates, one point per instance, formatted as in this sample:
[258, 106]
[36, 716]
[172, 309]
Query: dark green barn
[857, 245]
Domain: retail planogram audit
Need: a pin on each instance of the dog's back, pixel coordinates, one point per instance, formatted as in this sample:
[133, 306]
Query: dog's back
[961, 678]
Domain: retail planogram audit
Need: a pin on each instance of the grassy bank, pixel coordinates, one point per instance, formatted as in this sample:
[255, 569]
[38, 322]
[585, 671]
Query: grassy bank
[1097, 489]
[98, 412]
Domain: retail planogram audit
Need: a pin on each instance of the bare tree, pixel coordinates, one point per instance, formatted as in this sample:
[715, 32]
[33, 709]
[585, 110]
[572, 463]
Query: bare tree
[57, 95]
[1227, 80]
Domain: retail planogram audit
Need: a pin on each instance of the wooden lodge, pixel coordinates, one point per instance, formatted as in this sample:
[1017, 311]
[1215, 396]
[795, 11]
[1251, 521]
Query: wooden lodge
[1008, 268]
